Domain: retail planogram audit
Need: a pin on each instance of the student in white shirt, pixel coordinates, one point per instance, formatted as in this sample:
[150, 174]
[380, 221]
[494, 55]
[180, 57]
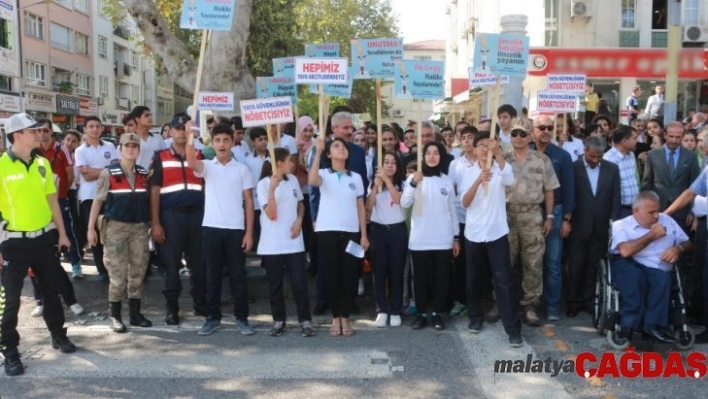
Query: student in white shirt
[91, 158]
[434, 238]
[389, 237]
[486, 236]
[281, 244]
[341, 220]
[254, 162]
[227, 229]
[149, 142]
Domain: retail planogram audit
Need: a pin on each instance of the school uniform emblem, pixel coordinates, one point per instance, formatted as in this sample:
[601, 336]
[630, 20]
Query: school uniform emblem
[295, 193]
[42, 171]
[352, 186]
[443, 191]
[107, 155]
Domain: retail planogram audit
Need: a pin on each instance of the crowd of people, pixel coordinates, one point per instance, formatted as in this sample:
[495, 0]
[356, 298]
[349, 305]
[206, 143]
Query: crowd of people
[507, 226]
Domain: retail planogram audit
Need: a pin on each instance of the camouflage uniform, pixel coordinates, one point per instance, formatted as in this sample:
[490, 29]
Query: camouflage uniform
[126, 256]
[533, 178]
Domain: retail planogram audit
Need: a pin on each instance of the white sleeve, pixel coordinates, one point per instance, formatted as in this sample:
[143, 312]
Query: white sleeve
[114, 153]
[247, 178]
[507, 175]
[262, 192]
[292, 147]
[359, 183]
[79, 157]
[408, 193]
[452, 208]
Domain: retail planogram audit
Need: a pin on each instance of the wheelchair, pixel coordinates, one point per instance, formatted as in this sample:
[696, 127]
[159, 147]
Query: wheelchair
[607, 305]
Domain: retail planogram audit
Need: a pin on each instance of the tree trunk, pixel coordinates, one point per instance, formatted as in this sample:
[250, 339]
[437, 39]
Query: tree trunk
[225, 68]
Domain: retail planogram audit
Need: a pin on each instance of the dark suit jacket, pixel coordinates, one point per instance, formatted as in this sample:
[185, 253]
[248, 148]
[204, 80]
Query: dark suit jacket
[656, 178]
[593, 213]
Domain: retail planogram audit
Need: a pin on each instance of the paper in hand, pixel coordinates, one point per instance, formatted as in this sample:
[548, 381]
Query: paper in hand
[355, 249]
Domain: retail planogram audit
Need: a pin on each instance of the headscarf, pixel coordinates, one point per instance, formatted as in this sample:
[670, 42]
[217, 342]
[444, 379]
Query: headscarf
[437, 170]
[302, 123]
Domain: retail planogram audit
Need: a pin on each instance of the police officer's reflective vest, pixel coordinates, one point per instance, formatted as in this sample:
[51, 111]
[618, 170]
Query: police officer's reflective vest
[125, 203]
[176, 175]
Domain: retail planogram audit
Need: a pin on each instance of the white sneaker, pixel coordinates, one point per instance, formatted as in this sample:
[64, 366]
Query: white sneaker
[395, 321]
[76, 309]
[37, 311]
[381, 320]
[361, 286]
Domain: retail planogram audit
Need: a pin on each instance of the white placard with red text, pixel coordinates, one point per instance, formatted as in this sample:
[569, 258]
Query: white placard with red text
[566, 83]
[213, 101]
[321, 70]
[267, 111]
[550, 101]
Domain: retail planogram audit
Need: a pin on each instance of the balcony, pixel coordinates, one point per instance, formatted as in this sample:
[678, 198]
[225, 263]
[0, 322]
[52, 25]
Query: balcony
[659, 38]
[629, 38]
[121, 31]
[127, 70]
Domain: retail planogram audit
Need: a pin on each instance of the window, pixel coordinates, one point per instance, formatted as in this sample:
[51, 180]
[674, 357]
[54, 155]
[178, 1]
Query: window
[7, 37]
[164, 108]
[64, 3]
[103, 9]
[5, 83]
[61, 37]
[82, 85]
[134, 59]
[81, 6]
[658, 14]
[34, 73]
[82, 44]
[34, 26]
[629, 12]
[691, 12]
[136, 94]
[103, 47]
[422, 57]
[103, 86]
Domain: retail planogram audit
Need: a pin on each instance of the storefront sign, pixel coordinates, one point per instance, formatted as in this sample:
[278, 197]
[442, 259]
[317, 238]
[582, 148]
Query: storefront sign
[61, 118]
[42, 102]
[112, 117]
[616, 62]
[88, 107]
[9, 103]
[67, 105]
[165, 93]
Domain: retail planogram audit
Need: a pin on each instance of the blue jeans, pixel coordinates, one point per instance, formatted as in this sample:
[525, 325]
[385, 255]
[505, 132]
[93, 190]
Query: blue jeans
[69, 226]
[552, 281]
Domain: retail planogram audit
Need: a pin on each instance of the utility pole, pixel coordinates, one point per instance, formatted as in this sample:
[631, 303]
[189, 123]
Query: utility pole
[672, 69]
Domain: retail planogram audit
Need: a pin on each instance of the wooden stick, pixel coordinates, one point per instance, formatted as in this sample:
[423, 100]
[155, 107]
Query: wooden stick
[320, 108]
[555, 127]
[200, 66]
[271, 147]
[419, 156]
[492, 134]
[379, 134]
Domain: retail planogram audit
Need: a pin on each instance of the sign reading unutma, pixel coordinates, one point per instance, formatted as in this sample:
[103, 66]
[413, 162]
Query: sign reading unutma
[321, 70]
[267, 111]
[423, 80]
[501, 54]
[376, 58]
[566, 83]
[549, 101]
[207, 14]
[213, 101]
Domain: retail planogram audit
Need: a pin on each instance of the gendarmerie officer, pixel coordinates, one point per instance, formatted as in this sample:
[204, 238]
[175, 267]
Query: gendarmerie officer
[33, 231]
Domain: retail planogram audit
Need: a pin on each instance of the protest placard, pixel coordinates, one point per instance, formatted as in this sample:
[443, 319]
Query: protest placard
[566, 83]
[376, 58]
[481, 79]
[284, 67]
[267, 111]
[501, 54]
[424, 80]
[215, 101]
[207, 14]
[275, 86]
[548, 101]
[343, 90]
[322, 50]
[321, 70]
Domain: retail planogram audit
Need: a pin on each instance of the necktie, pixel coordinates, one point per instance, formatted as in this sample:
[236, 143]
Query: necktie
[671, 163]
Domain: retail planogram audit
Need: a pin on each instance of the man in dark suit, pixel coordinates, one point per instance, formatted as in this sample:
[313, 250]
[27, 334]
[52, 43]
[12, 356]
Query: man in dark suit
[597, 203]
[670, 170]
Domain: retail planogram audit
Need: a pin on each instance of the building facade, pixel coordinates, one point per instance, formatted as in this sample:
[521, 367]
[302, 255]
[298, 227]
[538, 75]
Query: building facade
[10, 101]
[618, 44]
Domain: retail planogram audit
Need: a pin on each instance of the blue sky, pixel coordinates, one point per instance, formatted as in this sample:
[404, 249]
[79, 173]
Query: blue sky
[420, 20]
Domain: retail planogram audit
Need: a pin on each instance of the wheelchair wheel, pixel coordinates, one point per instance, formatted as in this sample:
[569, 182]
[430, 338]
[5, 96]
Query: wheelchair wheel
[599, 308]
[686, 339]
[616, 342]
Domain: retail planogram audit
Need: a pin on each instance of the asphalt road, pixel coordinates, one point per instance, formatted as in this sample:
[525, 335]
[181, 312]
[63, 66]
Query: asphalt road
[166, 361]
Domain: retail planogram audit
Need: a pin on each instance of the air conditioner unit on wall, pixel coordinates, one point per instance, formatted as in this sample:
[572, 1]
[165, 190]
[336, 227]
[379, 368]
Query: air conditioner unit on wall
[582, 8]
[695, 33]
[397, 113]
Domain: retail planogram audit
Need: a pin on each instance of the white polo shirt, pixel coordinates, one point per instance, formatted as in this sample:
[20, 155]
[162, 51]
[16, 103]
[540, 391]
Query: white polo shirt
[339, 193]
[385, 210]
[223, 194]
[458, 168]
[275, 234]
[148, 148]
[254, 163]
[97, 157]
[629, 229]
[288, 142]
[240, 152]
[485, 218]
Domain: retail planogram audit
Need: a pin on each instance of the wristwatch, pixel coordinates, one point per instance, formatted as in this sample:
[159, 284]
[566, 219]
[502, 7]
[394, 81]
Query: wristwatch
[550, 216]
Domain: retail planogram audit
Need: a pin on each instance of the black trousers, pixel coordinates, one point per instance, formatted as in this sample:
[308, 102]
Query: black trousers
[494, 255]
[276, 266]
[64, 288]
[431, 272]
[222, 248]
[388, 260]
[79, 225]
[18, 255]
[308, 232]
[459, 273]
[96, 250]
[582, 266]
[342, 270]
[183, 236]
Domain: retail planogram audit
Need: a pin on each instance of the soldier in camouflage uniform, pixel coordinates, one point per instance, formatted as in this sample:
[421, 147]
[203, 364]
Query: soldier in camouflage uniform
[122, 191]
[534, 185]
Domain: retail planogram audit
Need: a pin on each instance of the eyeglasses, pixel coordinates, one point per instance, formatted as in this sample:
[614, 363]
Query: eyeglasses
[517, 133]
[44, 130]
[544, 127]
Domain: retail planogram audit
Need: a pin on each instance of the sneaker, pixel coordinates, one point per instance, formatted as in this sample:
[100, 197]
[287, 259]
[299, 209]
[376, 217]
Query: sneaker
[245, 328]
[475, 327]
[411, 309]
[76, 309]
[553, 315]
[76, 271]
[531, 316]
[209, 327]
[419, 322]
[437, 321]
[102, 277]
[13, 365]
[37, 311]
[515, 340]
[395, 320]
[457, 309]
[307, 329]
[61, 341]
[360, 290]
[277, 329]
[381, 320]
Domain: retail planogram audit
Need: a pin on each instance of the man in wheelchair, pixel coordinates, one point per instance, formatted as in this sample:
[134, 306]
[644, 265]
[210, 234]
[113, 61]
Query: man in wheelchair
[645, 245]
